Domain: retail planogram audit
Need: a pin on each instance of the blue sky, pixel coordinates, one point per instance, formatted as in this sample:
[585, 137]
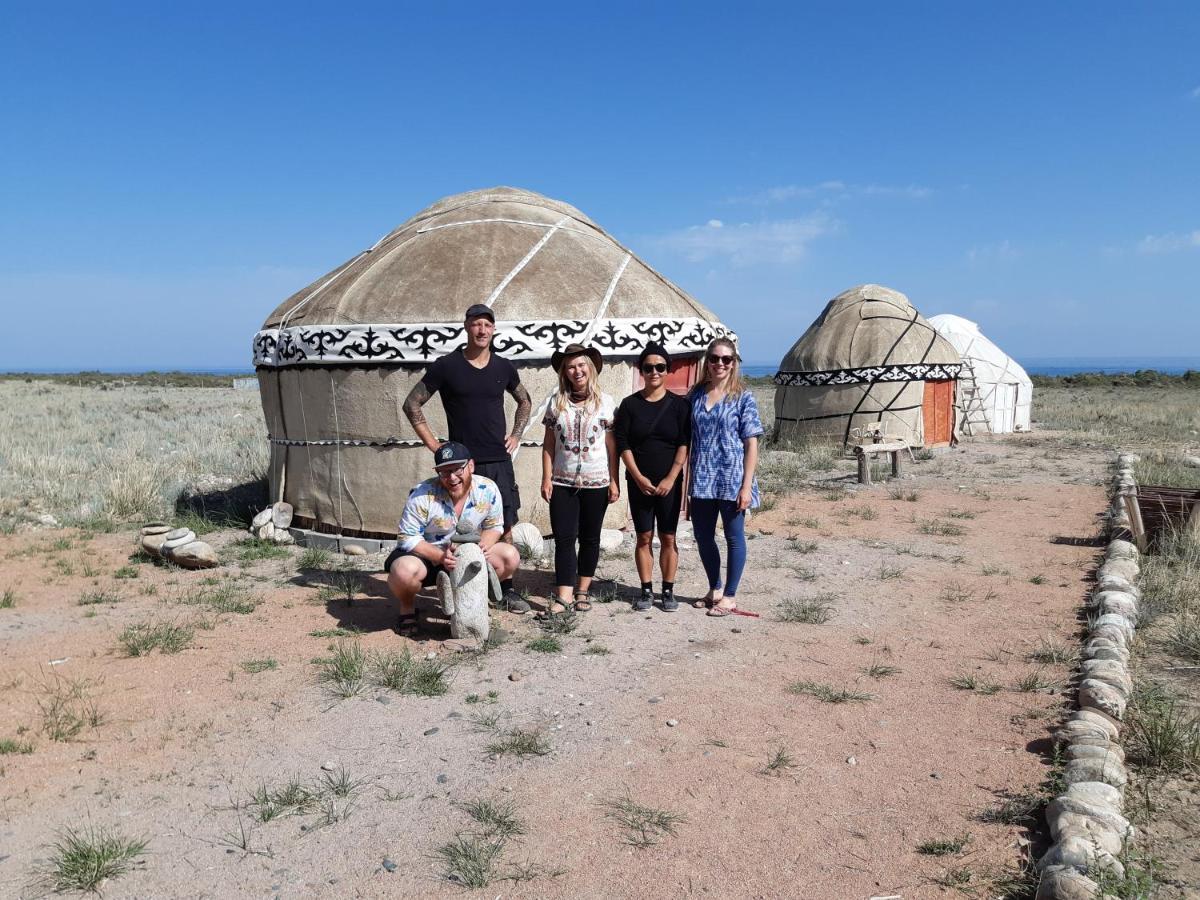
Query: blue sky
[170, 172]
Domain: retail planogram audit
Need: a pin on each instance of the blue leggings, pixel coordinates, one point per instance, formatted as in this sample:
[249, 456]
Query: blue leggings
[704, 526]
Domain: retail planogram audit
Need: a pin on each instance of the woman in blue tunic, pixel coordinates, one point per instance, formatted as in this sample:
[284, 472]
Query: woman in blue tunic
[724, 453]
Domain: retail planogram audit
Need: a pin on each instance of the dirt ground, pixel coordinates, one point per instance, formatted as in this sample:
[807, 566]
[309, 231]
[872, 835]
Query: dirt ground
[959, 571]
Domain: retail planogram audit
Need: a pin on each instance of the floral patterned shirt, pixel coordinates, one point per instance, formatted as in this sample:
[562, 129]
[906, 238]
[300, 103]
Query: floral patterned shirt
[580, 445]
[717, 457]
[429, 512]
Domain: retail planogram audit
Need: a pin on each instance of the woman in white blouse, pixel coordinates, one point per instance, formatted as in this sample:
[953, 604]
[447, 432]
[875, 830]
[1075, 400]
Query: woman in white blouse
[579, 471]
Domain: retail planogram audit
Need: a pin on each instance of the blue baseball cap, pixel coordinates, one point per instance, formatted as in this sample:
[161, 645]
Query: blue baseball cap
[451, 453]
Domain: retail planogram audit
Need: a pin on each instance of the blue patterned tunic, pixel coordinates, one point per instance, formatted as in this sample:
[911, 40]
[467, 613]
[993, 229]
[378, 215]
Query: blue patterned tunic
[717, 459]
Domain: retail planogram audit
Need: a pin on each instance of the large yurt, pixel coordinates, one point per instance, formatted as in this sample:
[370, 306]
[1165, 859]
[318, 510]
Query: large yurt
[869, 357]
[336, 360]
[1004, 390]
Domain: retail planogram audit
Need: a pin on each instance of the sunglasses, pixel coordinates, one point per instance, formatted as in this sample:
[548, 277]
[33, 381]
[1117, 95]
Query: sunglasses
[647, 368]
[717, 359]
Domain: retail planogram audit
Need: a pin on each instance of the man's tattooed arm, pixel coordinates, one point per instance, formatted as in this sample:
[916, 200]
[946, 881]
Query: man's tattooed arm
[417, 398]
[524, 408]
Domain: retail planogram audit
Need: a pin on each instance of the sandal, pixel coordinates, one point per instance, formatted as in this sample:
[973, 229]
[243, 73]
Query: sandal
[407, 625]
[550, 611]
[583, 601]
[718, 612]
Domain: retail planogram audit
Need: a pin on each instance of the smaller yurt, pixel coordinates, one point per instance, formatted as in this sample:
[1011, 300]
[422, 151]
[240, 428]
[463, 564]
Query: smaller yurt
[869, 357]
[1004, 390]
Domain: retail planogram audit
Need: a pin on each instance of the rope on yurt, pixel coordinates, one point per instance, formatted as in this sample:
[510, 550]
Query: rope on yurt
[312, 478]
[591, 234]
[608, 294]
[495, 294]
[344, 487]
[886, 357]
[328, 281]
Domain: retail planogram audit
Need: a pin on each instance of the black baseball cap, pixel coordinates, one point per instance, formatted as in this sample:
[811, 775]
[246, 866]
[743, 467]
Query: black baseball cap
[451, 453]
[480, 309]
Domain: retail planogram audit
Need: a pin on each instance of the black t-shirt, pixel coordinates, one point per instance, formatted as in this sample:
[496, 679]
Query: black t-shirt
[653, 447]
[474, 401]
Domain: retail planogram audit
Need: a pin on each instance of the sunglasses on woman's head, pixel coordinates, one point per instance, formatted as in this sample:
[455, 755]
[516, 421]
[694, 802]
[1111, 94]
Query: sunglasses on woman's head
[647, 368]
[718, 360]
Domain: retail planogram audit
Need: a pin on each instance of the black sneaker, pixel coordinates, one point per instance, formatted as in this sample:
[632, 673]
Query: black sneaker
[669, 603]
[515, 603]
[644, 602]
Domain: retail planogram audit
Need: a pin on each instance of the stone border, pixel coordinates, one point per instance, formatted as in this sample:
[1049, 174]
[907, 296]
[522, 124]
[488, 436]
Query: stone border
[1086, 822]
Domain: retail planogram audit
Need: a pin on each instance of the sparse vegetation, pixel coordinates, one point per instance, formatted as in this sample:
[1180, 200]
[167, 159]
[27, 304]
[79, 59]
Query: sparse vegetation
[596, 650]
[559, 622]
[498, 818]
[955, 592]
[254, 666]
[144, 637]
[253, 549]
[802, 546]
[343, 672]
[402, 673]
[1054, 652]
[83, 859]
[227, 596]
[940, 528]
[1033, 681]
[470, 860]
[546, 644]
[827, 693]
[889, 572]
[98, 597]
[12, 745]
[67, 706]
[878, 670]
[314, 558]
[944, 846]
[520, 742]
[807, 610]
[8, 599]
[779, 762]
[644, 826]
[969, 681]
[1037, 579]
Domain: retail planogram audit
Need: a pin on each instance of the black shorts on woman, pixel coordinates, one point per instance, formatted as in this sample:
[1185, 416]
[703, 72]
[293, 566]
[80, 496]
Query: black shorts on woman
[653, 432]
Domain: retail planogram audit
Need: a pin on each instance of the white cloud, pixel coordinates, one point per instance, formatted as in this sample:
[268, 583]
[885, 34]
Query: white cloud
[832, 190]
[998, 252]
[1169, 243]
[780, 241]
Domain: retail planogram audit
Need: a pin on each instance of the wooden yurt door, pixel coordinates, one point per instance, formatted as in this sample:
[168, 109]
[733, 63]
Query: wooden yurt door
[938, 412]
[1004, 416]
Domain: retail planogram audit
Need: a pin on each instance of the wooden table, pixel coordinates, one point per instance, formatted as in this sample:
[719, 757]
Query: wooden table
[865, 452]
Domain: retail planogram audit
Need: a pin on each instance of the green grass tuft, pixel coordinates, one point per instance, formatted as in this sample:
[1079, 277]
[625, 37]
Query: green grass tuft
[144, 637]
[83, 859]
[828, 693]
[545, 644]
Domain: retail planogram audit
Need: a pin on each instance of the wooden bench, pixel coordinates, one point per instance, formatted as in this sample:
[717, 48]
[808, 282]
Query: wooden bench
[865, 452]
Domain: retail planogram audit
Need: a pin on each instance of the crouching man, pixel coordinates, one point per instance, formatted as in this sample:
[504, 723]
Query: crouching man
[432, 513]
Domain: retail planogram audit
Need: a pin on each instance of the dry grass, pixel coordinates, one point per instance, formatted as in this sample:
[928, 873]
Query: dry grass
[1125, 416]
[87, 455]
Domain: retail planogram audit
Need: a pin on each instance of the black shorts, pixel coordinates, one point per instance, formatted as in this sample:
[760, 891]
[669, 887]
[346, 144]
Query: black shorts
[647, 510]
[501, 472]
[431, 570]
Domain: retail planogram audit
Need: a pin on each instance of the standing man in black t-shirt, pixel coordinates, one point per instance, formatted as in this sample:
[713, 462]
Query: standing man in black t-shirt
[472, 382]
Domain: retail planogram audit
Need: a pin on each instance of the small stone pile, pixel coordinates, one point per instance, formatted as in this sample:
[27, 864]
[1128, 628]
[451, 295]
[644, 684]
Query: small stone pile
[272, 523]
[178, 545]
[1086, 822]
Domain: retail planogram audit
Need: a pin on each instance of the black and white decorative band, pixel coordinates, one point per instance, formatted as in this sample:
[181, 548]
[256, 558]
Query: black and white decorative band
[517, 340]
[870, 375]
[351, 442]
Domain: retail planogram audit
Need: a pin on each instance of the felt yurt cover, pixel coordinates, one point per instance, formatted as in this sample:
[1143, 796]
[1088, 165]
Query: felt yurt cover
[1004, 388]
[337, 359]
[867, 358]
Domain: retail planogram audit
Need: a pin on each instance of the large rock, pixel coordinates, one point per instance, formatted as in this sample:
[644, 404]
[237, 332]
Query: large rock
[1066, 883]
[282, 536]
[265, 532]
[1118, 603]
[1110, 771]
[1101, 751]
[1119, 549]
[1109, 671]
[177, 538]
[195, 555]
[1117, 583]
[1096, 694]
[1079, 853]
[528, 540]
[156, 528]
[1097, 792]
[1099, 648]
[153, 544]
[1118, 620]
[1112, 633]
[281, 514]
[611, 539]
[1067, 811]
[1123, 568]
[267, 515]
[1106, 725]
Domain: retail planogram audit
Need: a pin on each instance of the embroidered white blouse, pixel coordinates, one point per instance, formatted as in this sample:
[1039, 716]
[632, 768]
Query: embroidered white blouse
[580, 449]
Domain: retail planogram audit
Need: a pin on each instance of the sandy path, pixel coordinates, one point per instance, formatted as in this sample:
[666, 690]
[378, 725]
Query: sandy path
[184, 736]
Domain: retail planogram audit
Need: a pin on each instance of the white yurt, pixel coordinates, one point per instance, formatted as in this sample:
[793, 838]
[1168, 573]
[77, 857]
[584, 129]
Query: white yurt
[869, 357]
[1005, 391]
[336, 360]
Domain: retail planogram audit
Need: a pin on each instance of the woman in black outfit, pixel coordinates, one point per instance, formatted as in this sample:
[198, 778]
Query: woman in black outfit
[652, 430]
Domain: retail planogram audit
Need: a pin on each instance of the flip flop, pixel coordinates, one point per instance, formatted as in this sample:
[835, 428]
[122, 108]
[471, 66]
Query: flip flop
[719, 612]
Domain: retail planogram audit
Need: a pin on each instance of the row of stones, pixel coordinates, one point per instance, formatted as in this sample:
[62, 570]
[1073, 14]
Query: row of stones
[1087, 822]
[179, 545]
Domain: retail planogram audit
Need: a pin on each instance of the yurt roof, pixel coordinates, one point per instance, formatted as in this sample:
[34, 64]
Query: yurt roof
[550, 274]
[866, 334]
[989, 361]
